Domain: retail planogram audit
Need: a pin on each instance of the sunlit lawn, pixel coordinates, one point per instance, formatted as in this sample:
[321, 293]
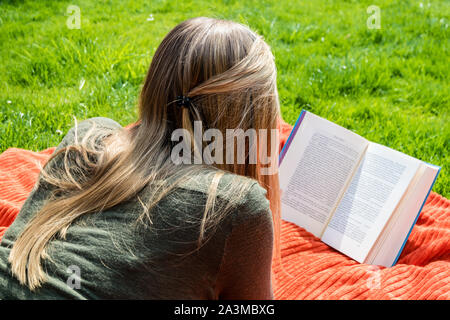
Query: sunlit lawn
[390, 85]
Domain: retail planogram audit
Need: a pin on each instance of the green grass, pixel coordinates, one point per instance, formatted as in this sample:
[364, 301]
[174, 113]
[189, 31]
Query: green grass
[389, 85]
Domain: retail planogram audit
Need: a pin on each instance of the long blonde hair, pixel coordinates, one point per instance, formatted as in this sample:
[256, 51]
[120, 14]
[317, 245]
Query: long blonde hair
[229, 73]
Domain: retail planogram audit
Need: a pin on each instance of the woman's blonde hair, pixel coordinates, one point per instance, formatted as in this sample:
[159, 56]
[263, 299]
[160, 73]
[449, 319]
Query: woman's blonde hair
[229, 73]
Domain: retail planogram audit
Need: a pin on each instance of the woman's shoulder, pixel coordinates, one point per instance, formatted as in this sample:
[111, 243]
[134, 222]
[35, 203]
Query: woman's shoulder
[80, 129]
[98, 122]
[244, 194]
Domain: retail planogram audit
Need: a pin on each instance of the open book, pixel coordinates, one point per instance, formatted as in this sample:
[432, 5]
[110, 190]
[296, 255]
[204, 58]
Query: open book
[359, 197]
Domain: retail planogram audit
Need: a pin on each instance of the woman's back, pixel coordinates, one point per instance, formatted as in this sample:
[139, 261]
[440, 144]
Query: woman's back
[116, 255]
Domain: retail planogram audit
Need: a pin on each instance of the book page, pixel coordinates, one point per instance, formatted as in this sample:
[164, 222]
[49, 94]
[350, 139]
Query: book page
[373, 194]
[398, 229]
[319, 163]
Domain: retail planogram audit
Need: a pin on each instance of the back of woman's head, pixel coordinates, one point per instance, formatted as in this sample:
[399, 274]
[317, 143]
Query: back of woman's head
[228, 73]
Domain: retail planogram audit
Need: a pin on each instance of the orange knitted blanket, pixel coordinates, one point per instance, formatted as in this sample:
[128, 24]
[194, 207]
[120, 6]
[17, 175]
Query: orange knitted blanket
[311, 269]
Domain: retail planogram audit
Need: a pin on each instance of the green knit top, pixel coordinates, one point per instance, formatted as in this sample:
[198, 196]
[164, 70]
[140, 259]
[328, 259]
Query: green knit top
[108, 255]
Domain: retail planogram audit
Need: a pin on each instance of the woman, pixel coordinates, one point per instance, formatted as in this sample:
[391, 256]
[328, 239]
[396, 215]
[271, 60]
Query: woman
[113, 217]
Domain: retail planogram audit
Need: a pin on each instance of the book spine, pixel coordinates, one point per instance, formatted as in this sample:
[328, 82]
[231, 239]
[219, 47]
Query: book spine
[291, 136]
[417, 217]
